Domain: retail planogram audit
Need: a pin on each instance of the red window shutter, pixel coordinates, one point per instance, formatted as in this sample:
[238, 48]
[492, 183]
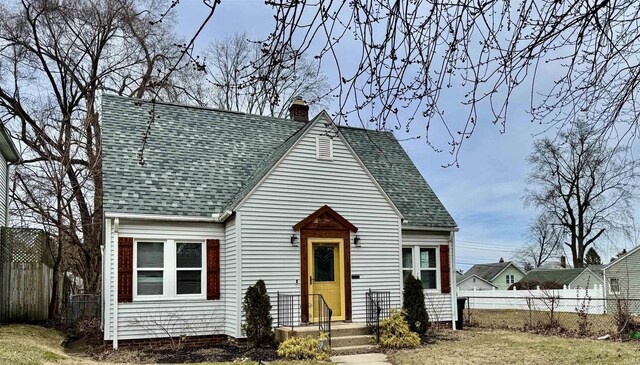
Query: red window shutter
[213, 269]
[125, 269]
[445, 280]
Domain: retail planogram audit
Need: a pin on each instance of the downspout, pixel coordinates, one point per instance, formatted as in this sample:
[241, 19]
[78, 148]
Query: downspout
[6, 207]
[604, 291]
[452, 279]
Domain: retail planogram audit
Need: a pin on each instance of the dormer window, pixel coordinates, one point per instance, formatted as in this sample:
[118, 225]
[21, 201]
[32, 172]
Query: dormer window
[324, 148]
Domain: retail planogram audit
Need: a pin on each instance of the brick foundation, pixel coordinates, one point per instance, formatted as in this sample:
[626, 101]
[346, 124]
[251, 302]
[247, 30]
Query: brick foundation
[190, 341]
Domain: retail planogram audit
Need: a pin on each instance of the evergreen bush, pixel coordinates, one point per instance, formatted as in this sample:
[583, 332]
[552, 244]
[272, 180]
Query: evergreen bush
[257, 316]
[395, 333]
[305, 348]
[414, 307]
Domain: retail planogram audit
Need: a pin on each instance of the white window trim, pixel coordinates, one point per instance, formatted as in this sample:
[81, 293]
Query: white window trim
[416, 264]
[170, 270]
[611, 286]
[510, 278]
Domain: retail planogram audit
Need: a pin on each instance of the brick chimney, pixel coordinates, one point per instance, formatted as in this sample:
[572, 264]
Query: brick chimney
[563, 262]
[299, 110]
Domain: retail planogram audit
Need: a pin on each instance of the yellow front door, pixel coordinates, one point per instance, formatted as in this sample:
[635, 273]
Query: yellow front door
[326, 275]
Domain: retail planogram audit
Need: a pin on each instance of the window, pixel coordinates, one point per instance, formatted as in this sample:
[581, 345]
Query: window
[423, 263]
[150, 265]
[169, 269]
[428, 268]
[510, 279]
[407, 262]
[614, 285]
[188, 268]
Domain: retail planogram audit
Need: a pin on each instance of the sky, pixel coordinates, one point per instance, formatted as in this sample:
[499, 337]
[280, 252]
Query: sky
[484, 194]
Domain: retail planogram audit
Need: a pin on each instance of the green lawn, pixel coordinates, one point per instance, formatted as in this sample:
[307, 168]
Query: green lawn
[494, 347]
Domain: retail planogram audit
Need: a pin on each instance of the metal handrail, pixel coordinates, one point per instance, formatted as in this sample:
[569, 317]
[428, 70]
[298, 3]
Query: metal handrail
[290, 313]
[378, 304]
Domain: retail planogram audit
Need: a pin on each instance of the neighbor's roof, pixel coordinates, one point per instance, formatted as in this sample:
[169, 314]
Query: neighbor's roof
[489, 271]
[201, 161]
[560, 276]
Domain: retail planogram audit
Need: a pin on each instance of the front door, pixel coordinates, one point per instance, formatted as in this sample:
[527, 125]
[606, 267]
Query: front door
[326, 275]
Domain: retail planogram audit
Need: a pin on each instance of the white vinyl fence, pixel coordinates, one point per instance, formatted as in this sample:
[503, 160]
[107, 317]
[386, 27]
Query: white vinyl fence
[560, 300]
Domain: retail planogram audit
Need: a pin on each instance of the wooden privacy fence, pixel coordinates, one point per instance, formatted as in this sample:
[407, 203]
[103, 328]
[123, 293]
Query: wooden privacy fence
[25, 275]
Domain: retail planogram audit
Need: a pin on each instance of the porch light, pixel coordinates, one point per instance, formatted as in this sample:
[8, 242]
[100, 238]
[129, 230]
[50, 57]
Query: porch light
[294, 240]
[356, 241]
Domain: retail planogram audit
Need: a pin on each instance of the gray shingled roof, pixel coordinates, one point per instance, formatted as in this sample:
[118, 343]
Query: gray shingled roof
[487, 271]
[201, 161]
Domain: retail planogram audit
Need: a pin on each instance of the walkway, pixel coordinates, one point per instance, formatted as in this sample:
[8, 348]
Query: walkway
[361, 359]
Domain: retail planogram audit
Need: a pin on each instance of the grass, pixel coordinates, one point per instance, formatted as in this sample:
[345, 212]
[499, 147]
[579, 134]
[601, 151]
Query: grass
[22, 344]
[26, 344]
[493, 347]
[599, 324]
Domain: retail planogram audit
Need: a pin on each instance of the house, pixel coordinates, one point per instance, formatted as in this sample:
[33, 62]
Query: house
[585, 277]
[475, 282]
[8, 155]
[498, 275]
[25, 261]
[623, 278]
[326, 215]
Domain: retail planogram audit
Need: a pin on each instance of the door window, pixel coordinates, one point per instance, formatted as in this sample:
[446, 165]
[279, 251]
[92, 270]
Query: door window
[324, 263]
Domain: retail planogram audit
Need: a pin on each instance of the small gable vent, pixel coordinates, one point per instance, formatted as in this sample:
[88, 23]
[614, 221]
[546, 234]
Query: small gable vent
[324, 148]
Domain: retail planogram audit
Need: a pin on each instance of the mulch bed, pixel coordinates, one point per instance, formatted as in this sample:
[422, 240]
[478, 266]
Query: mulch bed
[224, 352]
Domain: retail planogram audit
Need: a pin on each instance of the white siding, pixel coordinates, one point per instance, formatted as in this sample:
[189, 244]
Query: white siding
[410, 238]
[438, 305]
[627, 271]
[298, 186]
[161, 318]
[3, 191]
[474, 283]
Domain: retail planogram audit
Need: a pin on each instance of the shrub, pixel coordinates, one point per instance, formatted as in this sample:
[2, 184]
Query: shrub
[257, 314]
[305, 348]
[414, 307]
[395, 333]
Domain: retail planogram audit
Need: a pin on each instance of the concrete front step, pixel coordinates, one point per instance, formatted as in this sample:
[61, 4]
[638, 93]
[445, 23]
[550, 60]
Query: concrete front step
[344, 341]
[359, 349]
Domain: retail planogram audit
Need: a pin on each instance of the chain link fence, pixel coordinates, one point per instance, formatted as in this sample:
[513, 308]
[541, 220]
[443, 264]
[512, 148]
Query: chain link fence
[82, 307]
[581, 317]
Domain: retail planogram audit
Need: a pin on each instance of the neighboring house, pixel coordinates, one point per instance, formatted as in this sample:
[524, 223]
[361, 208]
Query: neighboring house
[225, 198]
[475, 282]
[585, 277]
[8, 155]
[623, 278]
[499, 275]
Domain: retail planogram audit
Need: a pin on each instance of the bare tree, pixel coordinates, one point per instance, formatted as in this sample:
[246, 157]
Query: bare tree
[232, 85]
[393, 55]
[56, 56]
[584, 184]
[544, 241]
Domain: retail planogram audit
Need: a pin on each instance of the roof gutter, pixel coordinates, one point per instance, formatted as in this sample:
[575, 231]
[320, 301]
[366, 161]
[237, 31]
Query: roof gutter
[439, 229]
[215, 218]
